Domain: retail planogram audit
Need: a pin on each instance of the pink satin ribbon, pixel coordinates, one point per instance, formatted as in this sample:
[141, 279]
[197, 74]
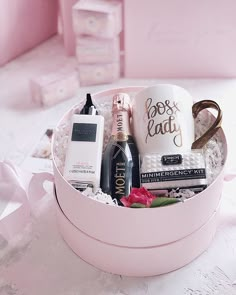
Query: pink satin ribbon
[19, 190]
[229, 176]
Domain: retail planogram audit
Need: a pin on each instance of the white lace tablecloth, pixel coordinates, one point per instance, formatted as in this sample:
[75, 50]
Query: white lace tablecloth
[38, 261]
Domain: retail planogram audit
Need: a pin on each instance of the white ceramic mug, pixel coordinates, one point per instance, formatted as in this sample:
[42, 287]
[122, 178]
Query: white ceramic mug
[163, 120]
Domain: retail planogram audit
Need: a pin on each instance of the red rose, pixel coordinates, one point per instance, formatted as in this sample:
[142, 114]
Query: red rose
[140, 196]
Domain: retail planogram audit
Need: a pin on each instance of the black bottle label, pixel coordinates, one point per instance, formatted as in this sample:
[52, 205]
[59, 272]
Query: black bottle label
[84, 132]
[171, 159]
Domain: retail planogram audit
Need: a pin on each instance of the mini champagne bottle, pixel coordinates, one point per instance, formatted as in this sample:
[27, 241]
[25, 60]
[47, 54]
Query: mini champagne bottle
[120, 165]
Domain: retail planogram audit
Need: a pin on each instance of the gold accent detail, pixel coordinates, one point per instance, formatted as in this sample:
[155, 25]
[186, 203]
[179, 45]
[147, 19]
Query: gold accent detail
[120, 136]
[198, 107]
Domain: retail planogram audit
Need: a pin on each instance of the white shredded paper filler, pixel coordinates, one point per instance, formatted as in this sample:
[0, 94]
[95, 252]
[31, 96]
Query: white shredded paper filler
[213, 150]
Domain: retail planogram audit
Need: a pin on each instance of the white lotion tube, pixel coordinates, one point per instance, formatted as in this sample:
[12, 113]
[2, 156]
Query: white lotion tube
[84, 153]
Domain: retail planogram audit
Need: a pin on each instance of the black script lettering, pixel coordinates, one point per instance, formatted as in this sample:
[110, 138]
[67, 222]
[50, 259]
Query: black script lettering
[175, 106]
[151, 110]
[161, 109]
[169, 110]
[168, 125]
[178, 141]
[149, 131]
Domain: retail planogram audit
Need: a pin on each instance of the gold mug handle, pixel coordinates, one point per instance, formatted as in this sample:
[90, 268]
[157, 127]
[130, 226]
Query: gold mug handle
[198, 107]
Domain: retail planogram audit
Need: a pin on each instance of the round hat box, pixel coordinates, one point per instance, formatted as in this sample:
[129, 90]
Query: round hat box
[137, 242]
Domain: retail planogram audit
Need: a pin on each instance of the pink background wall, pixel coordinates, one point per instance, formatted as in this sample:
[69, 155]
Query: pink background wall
[165, 39]
[24, 24]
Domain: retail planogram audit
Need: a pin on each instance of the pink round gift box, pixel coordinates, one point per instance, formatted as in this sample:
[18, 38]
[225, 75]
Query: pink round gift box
[120, 230]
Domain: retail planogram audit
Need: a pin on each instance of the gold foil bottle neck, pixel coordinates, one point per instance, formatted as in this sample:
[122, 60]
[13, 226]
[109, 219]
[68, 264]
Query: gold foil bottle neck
[121, 136]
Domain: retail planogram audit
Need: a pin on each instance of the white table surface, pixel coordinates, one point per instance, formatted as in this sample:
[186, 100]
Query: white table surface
[38, 262]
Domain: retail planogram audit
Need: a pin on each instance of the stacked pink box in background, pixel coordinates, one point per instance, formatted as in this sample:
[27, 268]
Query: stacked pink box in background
[97, 25]
[54, 87]
[24, 24]
[90, 50]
